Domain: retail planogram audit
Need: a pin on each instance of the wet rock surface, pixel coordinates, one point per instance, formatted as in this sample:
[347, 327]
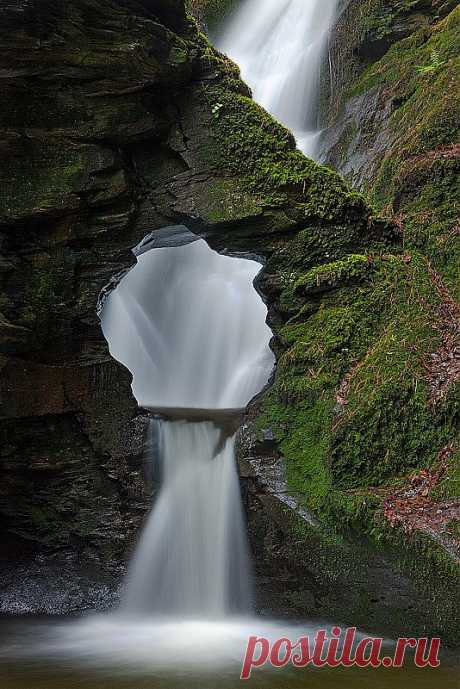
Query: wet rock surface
[47, 583]
[304, 570]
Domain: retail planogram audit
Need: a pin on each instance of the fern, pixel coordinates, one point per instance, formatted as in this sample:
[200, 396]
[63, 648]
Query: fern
[434, 64]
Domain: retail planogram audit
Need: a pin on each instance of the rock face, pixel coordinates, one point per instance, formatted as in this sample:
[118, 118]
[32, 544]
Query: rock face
[119, 118]
[390, 112]
[392, 118]
[392, 124]
[210, 14]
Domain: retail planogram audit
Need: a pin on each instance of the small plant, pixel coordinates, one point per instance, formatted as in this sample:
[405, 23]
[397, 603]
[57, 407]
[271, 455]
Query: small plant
[434, 64]
[216, 110]
[288, 278]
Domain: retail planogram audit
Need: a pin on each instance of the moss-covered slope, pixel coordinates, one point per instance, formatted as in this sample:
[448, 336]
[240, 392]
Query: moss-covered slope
[394, 124]
[394, 131]
[365, 401]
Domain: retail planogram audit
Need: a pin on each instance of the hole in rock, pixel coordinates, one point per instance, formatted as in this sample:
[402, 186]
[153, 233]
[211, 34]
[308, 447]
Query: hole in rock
[189, 325]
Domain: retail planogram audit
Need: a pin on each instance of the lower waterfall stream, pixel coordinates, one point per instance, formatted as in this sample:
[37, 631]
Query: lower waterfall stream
[192, 558]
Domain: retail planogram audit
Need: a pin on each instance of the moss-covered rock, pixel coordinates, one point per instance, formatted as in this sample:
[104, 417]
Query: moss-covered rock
[357, 403]
[394, 131]
[211, 13]
[351, 378]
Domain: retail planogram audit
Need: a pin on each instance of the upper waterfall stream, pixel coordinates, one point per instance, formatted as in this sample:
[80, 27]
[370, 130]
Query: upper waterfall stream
[280, 46]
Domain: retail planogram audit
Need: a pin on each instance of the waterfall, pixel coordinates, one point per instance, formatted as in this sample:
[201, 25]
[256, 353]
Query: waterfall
[190, 327]
[280, 47]
[192, 558]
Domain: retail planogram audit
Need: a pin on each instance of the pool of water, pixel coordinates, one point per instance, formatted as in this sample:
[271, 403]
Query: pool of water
[107, 652]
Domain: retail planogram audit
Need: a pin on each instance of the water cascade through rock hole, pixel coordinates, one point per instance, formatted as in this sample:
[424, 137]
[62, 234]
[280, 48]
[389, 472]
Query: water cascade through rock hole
[191, 328]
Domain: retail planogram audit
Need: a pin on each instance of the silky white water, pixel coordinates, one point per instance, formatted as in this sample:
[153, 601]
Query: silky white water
[191, 328]
[192, 559]
[280, 46]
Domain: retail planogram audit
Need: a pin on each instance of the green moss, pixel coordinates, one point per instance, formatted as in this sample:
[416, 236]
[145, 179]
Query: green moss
[48, 290]
[226, 201]
[212, 11]
[434, 571]
[392, 432]
[429, 189]
[45, 180]
[383, 21]
[248, 140]
[449, 485]
[418, 177]
[374, 324]
[352, 268]
[400, 64]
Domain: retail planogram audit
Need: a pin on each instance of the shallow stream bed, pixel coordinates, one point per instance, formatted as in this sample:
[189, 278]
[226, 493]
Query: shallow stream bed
[107, 652]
